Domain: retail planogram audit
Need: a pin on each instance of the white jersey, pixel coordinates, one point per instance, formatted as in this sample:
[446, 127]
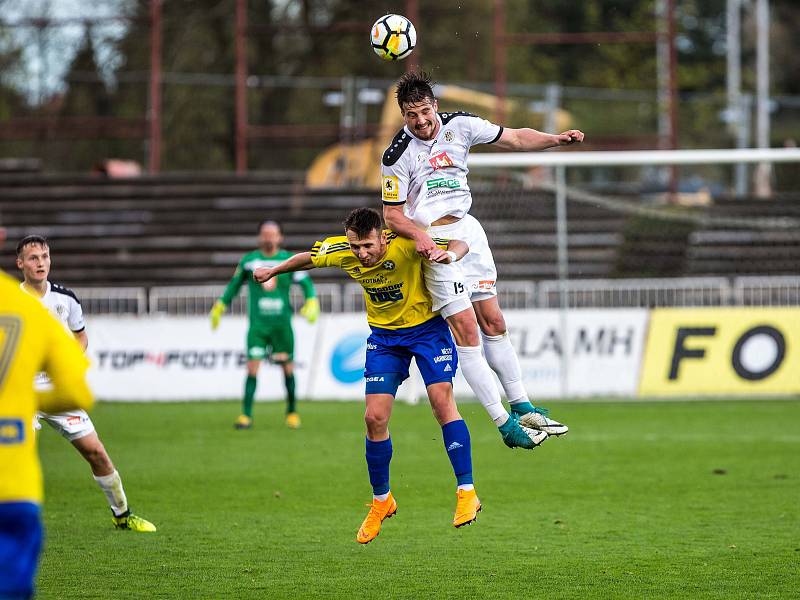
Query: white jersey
[430, 177]
[64, 306]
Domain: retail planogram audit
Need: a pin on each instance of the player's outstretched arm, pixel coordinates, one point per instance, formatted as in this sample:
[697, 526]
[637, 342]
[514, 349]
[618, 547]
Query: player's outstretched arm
[298, 262]
[398, 222]
[531, 140]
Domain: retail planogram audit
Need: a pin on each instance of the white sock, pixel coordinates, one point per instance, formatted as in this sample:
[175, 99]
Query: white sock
[112, 488]
[502, 357]
[466, 486]
[381, 497]
[481, 379]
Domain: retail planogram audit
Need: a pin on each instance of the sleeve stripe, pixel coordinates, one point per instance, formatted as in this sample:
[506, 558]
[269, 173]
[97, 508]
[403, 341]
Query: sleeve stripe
[398, 203]
[440, 240]
[497, 137]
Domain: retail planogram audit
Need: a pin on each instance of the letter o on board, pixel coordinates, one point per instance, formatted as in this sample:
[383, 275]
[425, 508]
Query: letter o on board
[758, 353]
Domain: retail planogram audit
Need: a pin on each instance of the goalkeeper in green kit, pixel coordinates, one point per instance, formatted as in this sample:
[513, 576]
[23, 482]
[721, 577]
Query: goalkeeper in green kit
[269, 335]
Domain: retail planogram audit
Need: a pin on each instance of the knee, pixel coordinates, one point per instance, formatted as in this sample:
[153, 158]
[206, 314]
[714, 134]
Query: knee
[98, 458]
[377, 422]
[494, 324]
[465, 328]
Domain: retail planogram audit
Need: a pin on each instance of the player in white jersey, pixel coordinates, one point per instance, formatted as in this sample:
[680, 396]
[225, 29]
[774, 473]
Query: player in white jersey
[33, 259]
[426, 193]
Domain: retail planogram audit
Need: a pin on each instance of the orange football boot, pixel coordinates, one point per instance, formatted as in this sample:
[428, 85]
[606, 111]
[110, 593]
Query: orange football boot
[378, 511]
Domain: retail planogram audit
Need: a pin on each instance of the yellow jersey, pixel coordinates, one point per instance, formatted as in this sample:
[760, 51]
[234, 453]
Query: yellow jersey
[32, 340]
[394, 289]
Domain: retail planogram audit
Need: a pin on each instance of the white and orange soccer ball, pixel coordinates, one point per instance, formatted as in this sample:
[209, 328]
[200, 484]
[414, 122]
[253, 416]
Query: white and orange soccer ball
[393, 37]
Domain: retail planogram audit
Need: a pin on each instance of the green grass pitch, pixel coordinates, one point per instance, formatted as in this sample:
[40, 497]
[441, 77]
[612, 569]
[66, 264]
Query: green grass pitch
[639, 500]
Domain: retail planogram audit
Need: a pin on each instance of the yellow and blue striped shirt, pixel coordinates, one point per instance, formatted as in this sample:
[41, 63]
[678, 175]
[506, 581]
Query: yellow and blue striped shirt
[394, 289]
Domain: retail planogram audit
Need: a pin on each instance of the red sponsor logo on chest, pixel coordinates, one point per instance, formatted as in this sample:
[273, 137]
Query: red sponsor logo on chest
[440, 161]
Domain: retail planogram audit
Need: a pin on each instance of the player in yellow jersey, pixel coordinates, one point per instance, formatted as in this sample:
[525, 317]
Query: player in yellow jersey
[404, 325]
[31, 340]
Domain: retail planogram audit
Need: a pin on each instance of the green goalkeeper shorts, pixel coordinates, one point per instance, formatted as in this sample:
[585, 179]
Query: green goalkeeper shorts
[274, 342]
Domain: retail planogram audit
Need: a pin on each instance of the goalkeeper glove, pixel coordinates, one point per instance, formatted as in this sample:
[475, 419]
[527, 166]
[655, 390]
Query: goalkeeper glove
[216, 313]
[310, 310]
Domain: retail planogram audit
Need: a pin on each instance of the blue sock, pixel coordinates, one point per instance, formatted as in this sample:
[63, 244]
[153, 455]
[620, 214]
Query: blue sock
[379, 454]
[459, 451]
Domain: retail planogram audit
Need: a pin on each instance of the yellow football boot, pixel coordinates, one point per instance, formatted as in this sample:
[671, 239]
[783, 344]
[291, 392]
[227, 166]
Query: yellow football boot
[467, 507]
[133, 522]
[243, 422]
[293, 420]
[378, 511]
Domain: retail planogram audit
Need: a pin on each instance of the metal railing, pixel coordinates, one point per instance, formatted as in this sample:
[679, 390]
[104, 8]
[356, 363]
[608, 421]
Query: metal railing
[581, 293]
[113, 300]
[646, 293]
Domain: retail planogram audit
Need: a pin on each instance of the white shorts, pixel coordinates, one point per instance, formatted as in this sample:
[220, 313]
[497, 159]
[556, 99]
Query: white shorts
[477, 267]
[73, 424]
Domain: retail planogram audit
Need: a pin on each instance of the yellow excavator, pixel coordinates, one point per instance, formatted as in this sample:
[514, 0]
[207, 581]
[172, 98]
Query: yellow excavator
[358, 164]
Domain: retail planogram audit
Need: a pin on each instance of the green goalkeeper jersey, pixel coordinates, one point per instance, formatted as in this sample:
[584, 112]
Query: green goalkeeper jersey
[266, 301]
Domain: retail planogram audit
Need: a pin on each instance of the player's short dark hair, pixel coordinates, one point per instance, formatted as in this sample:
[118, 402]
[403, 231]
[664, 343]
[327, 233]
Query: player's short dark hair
[413, 87]
[31, 240]
[362, 221]
[268, 222]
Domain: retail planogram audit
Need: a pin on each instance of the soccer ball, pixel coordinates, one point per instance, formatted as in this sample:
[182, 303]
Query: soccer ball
[393, 37]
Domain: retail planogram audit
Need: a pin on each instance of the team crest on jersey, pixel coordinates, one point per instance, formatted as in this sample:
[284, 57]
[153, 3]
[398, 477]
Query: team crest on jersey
[389, 265]
[448, 136]
[421, 156]
[440, 161]
[390, 188]
[60, 309]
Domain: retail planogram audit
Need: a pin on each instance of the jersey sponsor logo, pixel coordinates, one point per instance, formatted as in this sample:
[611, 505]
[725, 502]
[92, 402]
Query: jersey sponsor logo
[390, 293]
[448, 136]
[270, 305]
[485, 285]
[445, 358]
[390, 189]
[442, 182]
[389, 265]
[440, 161]
[448, 368]
[377, 279]
[12, 431]
[376, 378]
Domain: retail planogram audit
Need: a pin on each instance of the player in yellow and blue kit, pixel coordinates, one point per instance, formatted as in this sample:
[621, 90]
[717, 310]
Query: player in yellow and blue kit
[31, 340]
[403, 324]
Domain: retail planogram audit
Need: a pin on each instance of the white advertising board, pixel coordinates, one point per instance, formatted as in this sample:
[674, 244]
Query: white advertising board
[603, 349]
[180, 358]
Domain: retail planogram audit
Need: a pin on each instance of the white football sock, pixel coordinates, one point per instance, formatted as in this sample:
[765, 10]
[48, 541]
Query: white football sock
[466, 486]
[381, 497]
[481, 379]
[502, 357]
[112, 488]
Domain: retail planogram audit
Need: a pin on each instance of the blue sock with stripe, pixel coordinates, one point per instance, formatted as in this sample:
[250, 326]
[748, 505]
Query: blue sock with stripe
[379, 455]
[459, 450]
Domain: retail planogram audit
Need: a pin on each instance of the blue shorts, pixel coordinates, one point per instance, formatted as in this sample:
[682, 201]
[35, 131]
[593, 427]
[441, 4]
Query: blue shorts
[389, 353]
[20, 544]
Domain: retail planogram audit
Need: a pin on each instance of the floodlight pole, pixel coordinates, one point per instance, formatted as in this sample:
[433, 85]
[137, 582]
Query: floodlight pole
[154, 154]
[241, 87]
[412, 14]
[563, 275]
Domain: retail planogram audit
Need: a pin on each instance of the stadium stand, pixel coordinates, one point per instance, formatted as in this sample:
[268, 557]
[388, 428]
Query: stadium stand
[192, 229]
